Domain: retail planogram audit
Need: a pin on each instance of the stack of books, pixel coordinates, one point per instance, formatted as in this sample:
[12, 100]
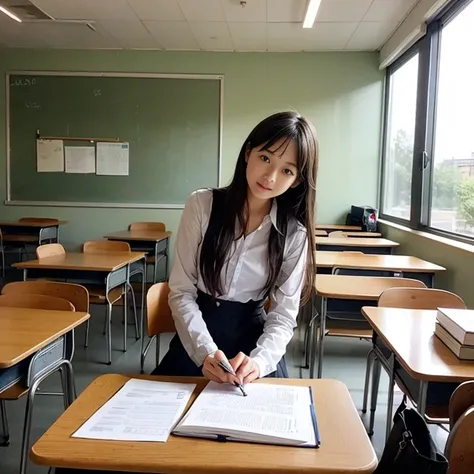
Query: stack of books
[455, 327]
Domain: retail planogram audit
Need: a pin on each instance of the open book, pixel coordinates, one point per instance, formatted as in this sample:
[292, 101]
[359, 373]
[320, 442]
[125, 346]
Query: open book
[270, 414]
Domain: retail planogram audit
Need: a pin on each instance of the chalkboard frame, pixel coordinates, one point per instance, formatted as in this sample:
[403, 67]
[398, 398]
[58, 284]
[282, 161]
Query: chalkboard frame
[11, 202]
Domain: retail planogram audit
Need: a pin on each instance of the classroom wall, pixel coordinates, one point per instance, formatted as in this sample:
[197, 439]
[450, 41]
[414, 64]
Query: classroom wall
[340, 92]
[458, 261]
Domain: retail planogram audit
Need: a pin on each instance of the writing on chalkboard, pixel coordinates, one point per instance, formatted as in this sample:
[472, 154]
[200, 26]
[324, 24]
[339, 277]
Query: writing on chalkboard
[32, 105]
[23, 82]
[97, 92]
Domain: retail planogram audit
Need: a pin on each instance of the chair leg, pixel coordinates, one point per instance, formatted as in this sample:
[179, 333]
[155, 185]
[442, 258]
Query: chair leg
[375, 391]
[86, 339]
[5, 437]
[157, 351]
[370, 358]
[27, 426]
[144, 353]
[70, 382]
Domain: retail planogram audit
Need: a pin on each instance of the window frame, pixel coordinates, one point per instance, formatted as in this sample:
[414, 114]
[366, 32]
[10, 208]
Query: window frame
[428, 49]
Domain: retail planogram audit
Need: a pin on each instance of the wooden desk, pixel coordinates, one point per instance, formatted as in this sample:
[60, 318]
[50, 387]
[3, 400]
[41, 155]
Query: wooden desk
[399, 265]
[320, 233]
[111, 270]
[31, 231]
[366, 245]
[359, 289]
[409, 335]
[367, 235]
[154, 242]
[345, 447]
[46, 336]
[332, 227]
[21, 334]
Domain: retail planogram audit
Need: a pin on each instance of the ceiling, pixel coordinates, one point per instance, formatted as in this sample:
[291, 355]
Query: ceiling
[210, 25]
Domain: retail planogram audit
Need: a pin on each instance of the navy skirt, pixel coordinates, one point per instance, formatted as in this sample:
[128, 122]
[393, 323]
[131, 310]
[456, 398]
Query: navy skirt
[235, 327]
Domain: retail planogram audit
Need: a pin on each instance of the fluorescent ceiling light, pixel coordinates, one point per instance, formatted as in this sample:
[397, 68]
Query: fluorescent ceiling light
[311, 12]
[10, 14]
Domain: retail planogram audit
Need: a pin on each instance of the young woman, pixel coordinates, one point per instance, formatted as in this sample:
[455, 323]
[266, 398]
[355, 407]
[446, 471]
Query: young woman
[239, 245]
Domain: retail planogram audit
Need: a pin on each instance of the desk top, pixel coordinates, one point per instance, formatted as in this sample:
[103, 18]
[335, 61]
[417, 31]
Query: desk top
[338, 227]
[24, 331]
[108, 262]
[358, 287]
[369, 235]
[139, 235]
[402, 263]
[39, 224]
[345, 447]
[355, 241]
[320, 233]
[410, 335]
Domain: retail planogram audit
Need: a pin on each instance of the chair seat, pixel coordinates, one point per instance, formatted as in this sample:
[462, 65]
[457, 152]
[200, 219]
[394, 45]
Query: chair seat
[14, 392]
[350, 332]
[19, 238]
[97, 294]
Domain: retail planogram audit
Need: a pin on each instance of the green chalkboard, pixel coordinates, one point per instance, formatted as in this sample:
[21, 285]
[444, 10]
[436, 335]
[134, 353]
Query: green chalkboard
[171, 123]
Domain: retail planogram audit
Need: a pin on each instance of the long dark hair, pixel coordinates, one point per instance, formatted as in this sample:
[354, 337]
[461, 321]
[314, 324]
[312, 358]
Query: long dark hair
[296, 203]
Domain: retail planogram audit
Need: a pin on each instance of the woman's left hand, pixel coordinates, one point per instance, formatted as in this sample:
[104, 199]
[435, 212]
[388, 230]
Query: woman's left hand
[245, 368]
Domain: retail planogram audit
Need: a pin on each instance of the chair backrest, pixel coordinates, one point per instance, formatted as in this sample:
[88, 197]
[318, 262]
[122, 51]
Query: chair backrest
[352, 252]
[104, 246]
[36, 302]
[159, 226]
[158, 311]
[49, 220]
[337, 233]
[50, 250]
[461, 399]
[420, 298]
[459, 448]
[75, 294]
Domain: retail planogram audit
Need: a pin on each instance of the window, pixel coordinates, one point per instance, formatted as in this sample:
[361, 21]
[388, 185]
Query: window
[428, 156]
[452, 202]
[400, 134]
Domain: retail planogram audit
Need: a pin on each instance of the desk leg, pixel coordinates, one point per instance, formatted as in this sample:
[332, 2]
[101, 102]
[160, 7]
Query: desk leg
[322, 334]
[5, 438]
[108, 327]
[142, 318]
[125, 310]
[391, 389]
[421, 405]
[375, 391]
[167, 267]
[25, 274]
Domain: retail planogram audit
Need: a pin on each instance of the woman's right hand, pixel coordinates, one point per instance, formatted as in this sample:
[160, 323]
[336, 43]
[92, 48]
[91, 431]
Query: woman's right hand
[214, 372]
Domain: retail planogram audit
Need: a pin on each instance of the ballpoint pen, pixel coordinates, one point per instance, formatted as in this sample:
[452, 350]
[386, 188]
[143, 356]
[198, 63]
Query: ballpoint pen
[228, 368]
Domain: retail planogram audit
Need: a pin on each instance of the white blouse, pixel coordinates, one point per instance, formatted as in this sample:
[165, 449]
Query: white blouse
[243, 277]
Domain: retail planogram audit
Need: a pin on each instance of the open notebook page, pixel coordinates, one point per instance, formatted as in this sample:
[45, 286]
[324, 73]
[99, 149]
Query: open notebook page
[142, 410]
[269, 412]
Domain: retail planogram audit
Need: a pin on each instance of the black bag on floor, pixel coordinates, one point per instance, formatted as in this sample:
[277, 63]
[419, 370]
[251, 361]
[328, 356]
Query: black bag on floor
[410, 449]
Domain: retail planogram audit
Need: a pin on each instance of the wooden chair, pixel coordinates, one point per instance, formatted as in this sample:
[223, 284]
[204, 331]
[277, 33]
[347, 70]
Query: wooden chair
[18, 389]
[461, 399]
[159, 319]
[2, 254]
[459, 448]
[420, 298]
[49, 250]
[409, 298]
[35, 301]
[159, 226]
[98, 296]
[75, 294]
[337, 233]
[155, 226]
